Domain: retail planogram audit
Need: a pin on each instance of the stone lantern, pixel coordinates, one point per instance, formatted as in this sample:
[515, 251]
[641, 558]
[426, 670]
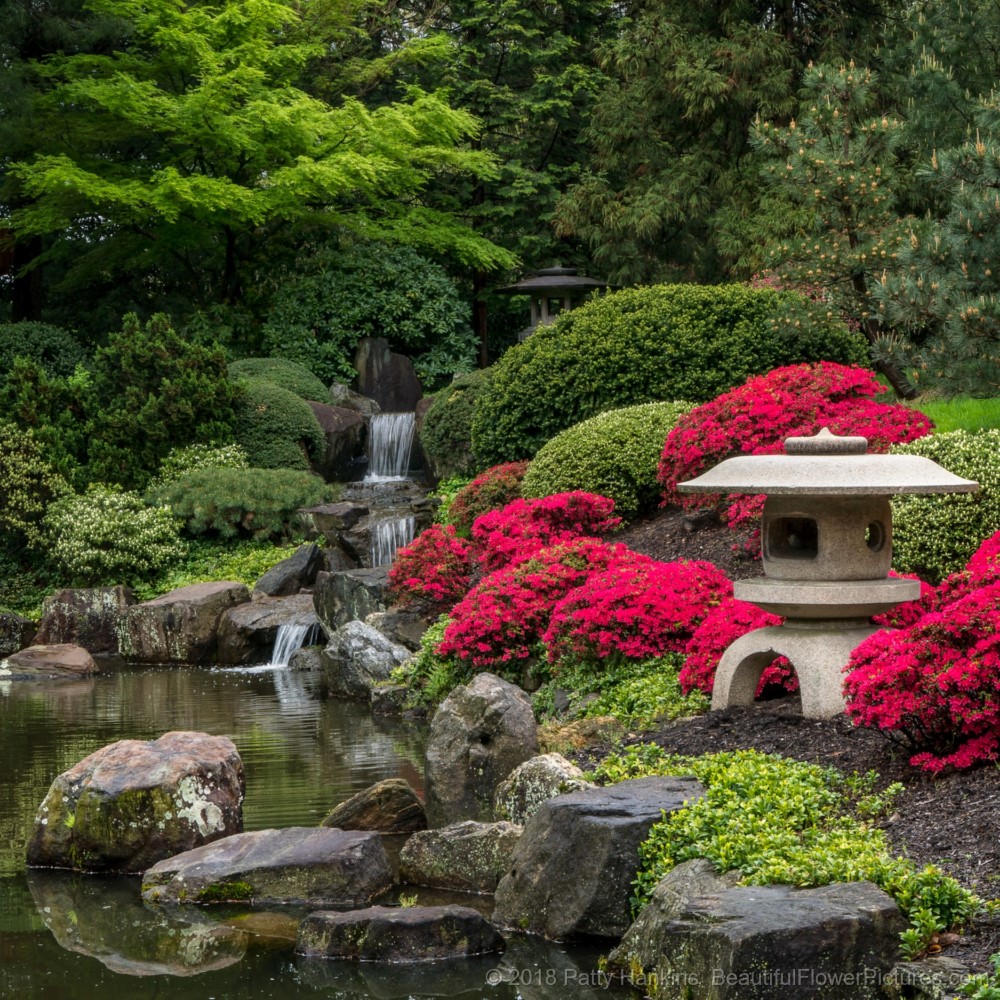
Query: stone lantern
[552, 290]
[826, 546]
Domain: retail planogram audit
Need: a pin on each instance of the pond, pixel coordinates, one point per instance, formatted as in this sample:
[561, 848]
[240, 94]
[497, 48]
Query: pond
[71, 936]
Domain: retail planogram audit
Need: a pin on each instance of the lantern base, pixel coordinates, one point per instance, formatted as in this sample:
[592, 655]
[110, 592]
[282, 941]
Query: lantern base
[818, 655]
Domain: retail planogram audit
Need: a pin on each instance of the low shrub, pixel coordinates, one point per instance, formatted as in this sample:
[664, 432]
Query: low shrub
[934, 535]
[289, 375]
[109, 536]
[255, 503]
[445, 492]
[756, 417]
[56, 350]
[615, 454]
[276, 428]
[490, 490]
[434, 569]
[645, 345]
[446, 436]
[429, 675]
[28, 485]
[179, 462]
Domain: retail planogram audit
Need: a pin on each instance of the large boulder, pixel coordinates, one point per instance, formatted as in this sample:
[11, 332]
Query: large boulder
[64, 660]
[16, 632]
[307, 866]
[535, 781]
[398, 934]
[479, 734]
[348, 399]
[87, 617]
[405, 628]
[357, 659]
[345, 432]
[389, 806]
[351, 595]
[573, 869]
[467, 856]
[247, 632]
[330, 519]
[132, 803]
[386, 377]
[292, 574]
[180, 626]
[838, 942]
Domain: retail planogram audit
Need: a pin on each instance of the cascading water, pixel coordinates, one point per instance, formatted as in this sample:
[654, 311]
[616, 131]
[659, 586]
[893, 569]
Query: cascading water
[290, 638]
[390, 438]
[389, 535]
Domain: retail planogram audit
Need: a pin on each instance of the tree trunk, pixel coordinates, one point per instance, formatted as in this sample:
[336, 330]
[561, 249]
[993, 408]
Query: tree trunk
[27, 293]
[479, 318]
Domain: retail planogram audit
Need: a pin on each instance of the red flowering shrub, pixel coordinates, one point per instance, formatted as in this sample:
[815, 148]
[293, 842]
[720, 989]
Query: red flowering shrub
[904, 615]
[502, 619]
[935, 686]
[721, 627]
[434, 568]
[756, 417]
[635, 609]
[985, 561]
[525, 526]
[490, 490]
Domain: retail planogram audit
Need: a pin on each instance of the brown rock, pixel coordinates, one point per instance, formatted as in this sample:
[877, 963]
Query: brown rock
[85, 616]
[62, 660]
[344, 430]
[389, 806]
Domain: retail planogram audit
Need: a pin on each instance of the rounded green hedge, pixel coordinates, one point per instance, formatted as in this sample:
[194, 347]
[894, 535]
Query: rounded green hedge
[56, 350]
[275, 428]
[648, 345]
[289, 375]
[615, 454]
[446, 435]
[934, 535]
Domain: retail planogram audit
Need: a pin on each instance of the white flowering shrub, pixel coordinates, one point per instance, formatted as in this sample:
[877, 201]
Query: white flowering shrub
[28, 484]
[108, 536]
[934, 535]
[181, 461]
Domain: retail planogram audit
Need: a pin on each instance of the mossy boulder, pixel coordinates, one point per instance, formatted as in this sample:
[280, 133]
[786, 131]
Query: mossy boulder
[86, 616]
[544, 777]
[467, 857]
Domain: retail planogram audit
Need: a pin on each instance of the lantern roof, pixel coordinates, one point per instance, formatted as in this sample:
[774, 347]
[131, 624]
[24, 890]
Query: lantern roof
[555, 280]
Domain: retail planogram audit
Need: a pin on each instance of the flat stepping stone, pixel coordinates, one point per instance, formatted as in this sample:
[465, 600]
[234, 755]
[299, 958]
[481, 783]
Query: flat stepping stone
[398, 934]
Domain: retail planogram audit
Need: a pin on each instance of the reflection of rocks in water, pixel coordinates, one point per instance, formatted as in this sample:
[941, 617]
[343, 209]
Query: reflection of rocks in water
[106, 919]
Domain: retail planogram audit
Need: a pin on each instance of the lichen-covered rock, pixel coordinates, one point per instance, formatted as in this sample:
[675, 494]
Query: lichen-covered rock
[16, 632]
[48, 662]
[398, 934]
[357, 658]
[573, 868]
[341, 395]
[86, 617]
[479, 734]
[309, 866]
[246, 633]
[389, 806]
[178, 627]
[764, 942]
[520, 794]
[132, 803]
[468, 856]
[292, 574]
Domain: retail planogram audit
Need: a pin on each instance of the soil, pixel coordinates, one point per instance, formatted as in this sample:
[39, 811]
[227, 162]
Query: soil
[950, 820]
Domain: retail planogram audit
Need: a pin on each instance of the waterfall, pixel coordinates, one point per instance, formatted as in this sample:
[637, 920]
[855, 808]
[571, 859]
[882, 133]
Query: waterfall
[388, 535]
[290, 638]
[390, 437]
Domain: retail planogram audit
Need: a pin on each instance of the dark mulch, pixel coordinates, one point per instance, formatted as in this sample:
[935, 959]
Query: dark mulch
[951, 820]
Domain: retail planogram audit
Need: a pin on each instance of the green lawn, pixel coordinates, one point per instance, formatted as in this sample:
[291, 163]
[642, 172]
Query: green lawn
[961, 413]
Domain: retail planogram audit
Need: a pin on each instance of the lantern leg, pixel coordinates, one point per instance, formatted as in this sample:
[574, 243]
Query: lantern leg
[818, 655]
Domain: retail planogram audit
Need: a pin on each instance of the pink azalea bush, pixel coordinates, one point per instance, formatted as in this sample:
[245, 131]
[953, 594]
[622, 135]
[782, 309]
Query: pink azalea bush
[434, 569]
[756, 417]
[490, 490]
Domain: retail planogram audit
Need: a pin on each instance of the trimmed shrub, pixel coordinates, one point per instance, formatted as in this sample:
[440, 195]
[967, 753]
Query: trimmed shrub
[756, 417]
[935, 535]
[181, 461]
[54, 349]
[648, 345]
[446, 435]
[434, 569]
[289, 375]
[615, 454]
[490, 490]
[152, 392]
[109, 536]
[28, 485]
[276, 428]
[259, 503]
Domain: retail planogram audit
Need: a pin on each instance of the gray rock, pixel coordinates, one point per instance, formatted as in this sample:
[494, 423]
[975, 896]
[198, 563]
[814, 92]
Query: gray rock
[132, 803]
[16, 632]
[529, 785]
[43, 662]
[290, 575]
[357, 659]
[345, 431]
[336, 559]
[350, 596]
[329, 519]
[398, 934]
[936, 977]
[573, 869]
[386, 377]
[178, 627]
[479, 734]
[467, 856]
[837, 942]
[405, 628]
[85, 617]
[389, 806]
[299, 865]
[341, 395]
[389, 699]
[308, 659]
[246, 633]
